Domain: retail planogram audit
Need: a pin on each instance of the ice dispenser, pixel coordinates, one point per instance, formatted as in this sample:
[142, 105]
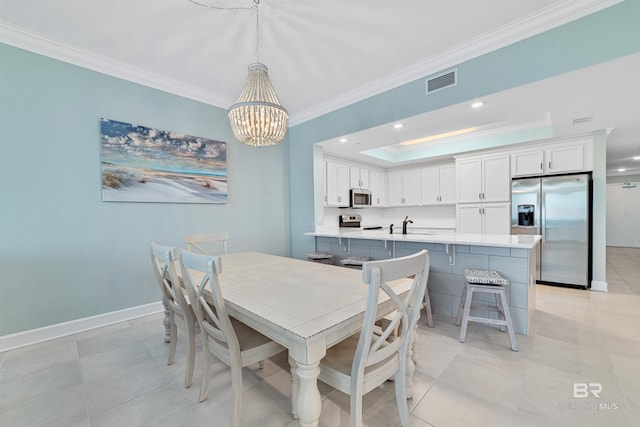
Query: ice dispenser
[526, 215]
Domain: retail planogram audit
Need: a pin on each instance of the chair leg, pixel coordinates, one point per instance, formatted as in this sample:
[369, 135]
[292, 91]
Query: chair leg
[427, 306]
[236, 386]
[173, 340]
[356, 408]
[461, 305]
[412, 348]
[204, 386]
[191, 358]
[507, 315]
[466, 311]
[401, 397]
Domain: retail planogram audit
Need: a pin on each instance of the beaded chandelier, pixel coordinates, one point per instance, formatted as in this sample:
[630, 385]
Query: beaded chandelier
[258, 118]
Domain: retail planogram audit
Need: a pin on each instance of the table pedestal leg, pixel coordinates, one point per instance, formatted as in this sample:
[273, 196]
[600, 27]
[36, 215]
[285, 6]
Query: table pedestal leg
[295, 387]
[309, 401]
[166, 322]
[411, 366]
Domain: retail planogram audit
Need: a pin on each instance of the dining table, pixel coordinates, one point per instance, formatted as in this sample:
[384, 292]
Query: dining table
[305, 306]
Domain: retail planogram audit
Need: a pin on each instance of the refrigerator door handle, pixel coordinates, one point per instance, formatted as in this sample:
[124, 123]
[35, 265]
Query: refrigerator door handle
[543, 220]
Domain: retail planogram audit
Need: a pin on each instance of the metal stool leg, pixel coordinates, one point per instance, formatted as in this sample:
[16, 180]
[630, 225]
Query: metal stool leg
[507, 315]
[500, 311]
[465, 316]
[461, 306]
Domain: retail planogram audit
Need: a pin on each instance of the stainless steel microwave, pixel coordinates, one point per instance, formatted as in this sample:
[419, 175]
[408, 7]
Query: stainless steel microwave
[360, 198]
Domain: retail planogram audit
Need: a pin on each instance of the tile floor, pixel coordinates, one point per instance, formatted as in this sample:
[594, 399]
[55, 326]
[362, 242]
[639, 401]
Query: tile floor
[118, 376]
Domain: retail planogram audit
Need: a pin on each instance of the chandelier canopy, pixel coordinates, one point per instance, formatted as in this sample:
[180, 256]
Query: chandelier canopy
[258, 118]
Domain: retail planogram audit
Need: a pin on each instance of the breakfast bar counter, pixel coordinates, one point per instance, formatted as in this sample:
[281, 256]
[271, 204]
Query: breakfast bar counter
[522, 241]
[513, 256]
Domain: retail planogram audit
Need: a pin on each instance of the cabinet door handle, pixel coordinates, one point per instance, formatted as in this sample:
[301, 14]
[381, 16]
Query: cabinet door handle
[339, 199]
[549, 165]
[540, 165]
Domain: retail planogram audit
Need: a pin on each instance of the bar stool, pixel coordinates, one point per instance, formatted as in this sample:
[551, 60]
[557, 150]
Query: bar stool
[488, 282]
[354, 261]
[321, 257]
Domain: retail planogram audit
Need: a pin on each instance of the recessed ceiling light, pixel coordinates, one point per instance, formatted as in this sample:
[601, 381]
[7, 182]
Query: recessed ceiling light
[342, 140]
[397, 125]
[477, 104]
[622, 169]
[439, 136]
[636, 157]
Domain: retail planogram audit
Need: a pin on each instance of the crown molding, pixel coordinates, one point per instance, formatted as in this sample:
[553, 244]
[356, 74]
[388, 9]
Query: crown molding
[37, 43]
[544, 20]
[537, 23]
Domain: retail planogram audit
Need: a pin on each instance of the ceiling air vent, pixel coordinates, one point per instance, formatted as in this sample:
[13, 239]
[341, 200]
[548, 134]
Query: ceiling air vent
[442, 81]
[582, 120]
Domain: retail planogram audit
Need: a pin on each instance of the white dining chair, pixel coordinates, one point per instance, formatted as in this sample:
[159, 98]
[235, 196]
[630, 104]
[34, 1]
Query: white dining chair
[364, 361]
[207, 243]
[180, 312]
[231, 341]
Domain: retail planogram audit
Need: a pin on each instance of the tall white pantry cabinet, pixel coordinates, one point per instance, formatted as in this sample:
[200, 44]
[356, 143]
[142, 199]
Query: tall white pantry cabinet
[484, 194]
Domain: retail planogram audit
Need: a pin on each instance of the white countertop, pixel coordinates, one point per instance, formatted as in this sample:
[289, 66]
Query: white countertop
[499, 240]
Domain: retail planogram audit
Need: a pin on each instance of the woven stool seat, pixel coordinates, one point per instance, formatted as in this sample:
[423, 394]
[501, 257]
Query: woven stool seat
[320, 257]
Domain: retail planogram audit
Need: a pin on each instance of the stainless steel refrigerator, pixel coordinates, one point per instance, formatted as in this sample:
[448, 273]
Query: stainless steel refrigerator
[559, 209]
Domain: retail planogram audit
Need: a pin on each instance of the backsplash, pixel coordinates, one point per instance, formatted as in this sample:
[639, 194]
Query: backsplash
[422, 217]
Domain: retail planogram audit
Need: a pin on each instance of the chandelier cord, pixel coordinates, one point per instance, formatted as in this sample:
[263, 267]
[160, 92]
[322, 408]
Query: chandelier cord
[223, 8]
[257, 2]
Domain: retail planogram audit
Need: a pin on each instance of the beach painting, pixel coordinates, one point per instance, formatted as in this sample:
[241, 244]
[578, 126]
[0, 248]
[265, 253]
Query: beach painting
[140, 164]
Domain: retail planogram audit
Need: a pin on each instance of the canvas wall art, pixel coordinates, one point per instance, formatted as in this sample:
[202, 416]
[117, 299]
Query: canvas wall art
[140, 164]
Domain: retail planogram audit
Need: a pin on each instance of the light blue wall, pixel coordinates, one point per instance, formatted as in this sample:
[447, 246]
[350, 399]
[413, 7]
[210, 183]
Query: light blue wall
[606, 35]
[64, 254]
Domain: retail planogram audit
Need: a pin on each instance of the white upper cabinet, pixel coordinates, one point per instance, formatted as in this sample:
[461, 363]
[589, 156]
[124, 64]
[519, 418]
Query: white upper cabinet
[479, 218]
[566, 159]
[378, 187]
[404, 188]
[552, 159]
[438, 185]
[483, 179]
[337, 185]
[527, 163]
[359, 177]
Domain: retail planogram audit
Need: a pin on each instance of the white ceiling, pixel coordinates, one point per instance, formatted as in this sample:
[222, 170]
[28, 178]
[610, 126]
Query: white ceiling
[323, 55]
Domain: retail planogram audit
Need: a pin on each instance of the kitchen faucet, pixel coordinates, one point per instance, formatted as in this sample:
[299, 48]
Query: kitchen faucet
[404, 224]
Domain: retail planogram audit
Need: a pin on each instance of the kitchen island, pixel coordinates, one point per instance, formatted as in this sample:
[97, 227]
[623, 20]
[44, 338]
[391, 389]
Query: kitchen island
[513, 256]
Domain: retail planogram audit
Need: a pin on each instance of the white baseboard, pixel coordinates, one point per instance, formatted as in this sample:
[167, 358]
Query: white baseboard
[33, 336]
[599, 285]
